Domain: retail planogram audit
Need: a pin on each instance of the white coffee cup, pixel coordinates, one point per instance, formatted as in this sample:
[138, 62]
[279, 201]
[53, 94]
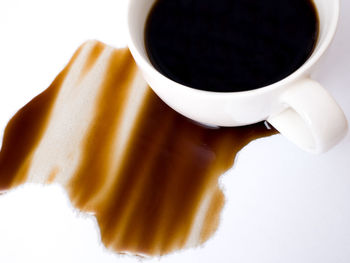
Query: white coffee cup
[297, 106]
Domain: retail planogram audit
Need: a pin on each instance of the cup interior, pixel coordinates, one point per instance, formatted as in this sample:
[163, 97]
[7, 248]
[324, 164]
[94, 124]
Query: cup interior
[328, 17]
[137, 16]
[139, 9]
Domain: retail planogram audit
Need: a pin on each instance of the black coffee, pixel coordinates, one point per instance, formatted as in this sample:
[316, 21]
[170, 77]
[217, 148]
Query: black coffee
[230, 45]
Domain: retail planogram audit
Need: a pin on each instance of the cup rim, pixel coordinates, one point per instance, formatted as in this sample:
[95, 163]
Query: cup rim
[293, 77]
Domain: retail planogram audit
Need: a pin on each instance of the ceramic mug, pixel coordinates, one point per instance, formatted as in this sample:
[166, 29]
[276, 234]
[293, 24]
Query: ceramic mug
[297, 106]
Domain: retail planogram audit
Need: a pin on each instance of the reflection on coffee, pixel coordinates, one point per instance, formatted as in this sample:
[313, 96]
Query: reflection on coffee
[148, 174]
[230, 45]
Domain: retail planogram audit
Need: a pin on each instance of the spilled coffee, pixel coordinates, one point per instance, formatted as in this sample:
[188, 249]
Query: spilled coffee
[123, 155]
[230, 45]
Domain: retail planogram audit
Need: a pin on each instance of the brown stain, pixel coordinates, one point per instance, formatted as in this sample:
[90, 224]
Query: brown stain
[94, 54]
[53, 175]
[24, 131]
[131, 186]
[212, 217]
[98, 143]
[167, 184]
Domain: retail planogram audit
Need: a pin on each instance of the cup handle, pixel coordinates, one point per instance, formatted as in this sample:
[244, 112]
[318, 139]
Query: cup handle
[311, 119]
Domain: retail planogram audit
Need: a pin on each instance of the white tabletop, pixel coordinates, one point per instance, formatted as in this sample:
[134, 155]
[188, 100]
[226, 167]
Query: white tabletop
[283, 205]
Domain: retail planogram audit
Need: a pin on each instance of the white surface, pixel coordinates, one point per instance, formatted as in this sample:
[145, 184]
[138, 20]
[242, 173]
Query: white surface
[283, 205]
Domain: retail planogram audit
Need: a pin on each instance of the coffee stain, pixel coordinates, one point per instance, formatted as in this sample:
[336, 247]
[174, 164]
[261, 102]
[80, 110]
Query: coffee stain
[148, 174]
[94, 54]
[24, 131]
[52, 175]
[99, 140]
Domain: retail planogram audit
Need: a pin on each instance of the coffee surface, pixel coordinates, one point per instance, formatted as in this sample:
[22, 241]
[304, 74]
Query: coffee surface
[230, 45]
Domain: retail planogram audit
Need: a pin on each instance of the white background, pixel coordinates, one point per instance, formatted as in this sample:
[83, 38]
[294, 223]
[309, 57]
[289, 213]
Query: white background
[283, 205]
